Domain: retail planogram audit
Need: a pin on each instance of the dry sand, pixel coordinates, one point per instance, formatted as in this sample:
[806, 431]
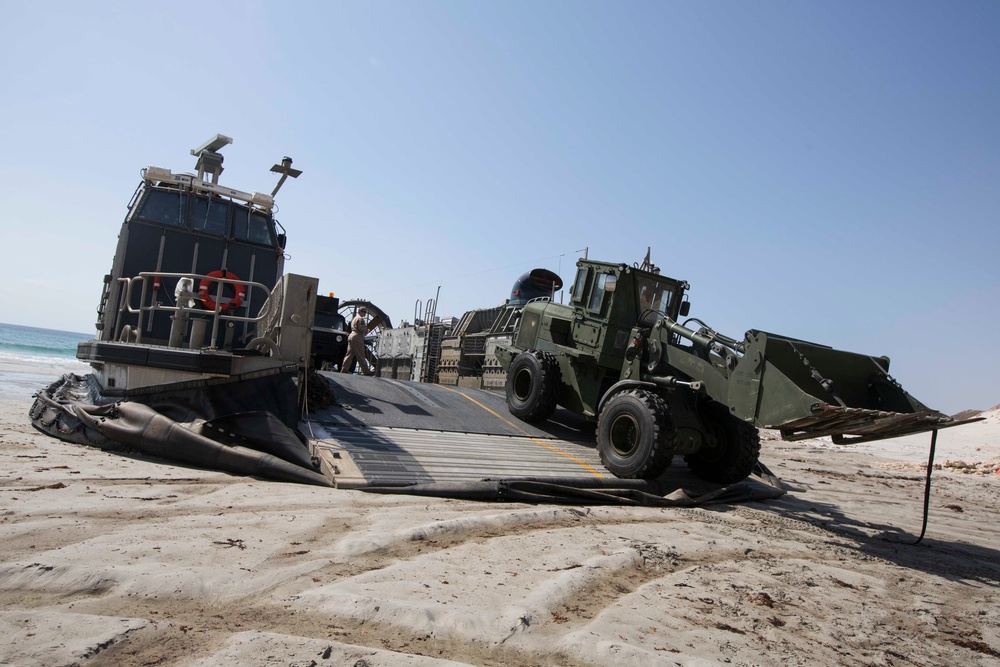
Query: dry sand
[114, 560]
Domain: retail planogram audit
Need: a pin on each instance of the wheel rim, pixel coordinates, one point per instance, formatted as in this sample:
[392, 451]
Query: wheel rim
[624, 435]
[522, 384]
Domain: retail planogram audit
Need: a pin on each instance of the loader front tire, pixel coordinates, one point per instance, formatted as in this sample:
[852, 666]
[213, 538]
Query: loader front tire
[533, 382]
[736, 450]
[635, 435]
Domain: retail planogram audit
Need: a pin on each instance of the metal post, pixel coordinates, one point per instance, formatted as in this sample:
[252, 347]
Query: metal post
[437, 295]
[178, 325]
[215, 318]
[197, 340]
[927, 485]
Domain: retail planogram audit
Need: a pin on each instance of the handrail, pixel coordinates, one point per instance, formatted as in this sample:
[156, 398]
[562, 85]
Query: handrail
[121, 307]
[217, 316]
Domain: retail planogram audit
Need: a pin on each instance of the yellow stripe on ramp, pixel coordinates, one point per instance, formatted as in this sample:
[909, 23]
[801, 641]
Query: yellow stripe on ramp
[530, 437]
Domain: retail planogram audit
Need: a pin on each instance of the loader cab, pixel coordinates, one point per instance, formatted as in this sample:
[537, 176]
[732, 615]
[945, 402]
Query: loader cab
[619, 294]
[608, 300]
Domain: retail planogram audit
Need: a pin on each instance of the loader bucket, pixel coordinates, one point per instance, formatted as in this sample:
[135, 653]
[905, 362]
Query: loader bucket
[808, 390]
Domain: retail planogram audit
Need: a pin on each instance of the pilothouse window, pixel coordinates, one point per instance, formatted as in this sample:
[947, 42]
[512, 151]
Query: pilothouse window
[162, 207]
[252, 227]
[209, 215]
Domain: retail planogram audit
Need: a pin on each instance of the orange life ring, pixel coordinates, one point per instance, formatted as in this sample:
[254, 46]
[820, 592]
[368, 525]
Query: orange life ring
[209, 302]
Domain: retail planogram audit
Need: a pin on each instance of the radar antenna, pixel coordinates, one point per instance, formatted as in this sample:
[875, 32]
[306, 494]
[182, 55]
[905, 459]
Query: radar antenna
[209, 160]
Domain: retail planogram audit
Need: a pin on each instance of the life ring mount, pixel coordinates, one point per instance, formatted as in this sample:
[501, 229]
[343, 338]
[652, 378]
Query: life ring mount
[224, 306]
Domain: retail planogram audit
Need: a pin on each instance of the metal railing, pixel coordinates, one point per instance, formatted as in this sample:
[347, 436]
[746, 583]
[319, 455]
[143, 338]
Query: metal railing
[182, 309]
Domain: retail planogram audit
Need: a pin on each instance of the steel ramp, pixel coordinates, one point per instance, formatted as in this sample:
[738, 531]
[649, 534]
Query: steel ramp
[455, 442]
[384, 432]
[357, 457]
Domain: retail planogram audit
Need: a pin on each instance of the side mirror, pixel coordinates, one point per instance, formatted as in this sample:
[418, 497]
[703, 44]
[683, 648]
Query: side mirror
[685, 308]
[281, 241]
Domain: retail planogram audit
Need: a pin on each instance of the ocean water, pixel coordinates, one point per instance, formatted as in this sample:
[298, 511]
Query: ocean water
[32, 358]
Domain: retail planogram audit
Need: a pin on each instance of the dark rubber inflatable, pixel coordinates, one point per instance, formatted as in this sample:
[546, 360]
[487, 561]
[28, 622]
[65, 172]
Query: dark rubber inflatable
[239, 428]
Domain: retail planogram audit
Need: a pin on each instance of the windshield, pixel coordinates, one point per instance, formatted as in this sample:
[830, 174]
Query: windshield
[252, 227]
[654, 295]
[209, 215]
[163, 207]
[206, 214]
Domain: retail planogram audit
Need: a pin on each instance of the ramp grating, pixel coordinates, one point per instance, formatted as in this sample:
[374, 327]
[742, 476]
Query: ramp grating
[386, 456]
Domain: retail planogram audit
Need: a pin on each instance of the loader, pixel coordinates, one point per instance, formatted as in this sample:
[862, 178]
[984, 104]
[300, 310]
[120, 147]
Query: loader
[618, 354]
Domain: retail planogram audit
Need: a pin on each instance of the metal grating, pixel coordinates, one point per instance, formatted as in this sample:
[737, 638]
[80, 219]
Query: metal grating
[398, 456]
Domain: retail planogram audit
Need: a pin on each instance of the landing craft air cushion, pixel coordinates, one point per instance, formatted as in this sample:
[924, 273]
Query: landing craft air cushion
[206, 353]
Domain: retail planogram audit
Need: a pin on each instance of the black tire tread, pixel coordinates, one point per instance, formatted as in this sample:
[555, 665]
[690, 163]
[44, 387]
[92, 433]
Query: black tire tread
[661, 452]
[550, 381]
[738, 461]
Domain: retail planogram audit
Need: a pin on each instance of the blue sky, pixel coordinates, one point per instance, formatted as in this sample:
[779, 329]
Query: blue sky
[829, 171]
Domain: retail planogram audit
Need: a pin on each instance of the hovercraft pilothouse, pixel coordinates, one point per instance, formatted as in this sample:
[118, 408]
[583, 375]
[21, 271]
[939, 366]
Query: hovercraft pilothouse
[196, 293]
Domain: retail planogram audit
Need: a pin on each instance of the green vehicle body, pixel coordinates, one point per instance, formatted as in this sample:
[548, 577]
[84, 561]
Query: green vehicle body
[616, 354]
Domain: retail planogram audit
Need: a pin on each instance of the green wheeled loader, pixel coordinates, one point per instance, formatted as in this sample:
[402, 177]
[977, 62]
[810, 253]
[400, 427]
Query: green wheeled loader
[656, 388]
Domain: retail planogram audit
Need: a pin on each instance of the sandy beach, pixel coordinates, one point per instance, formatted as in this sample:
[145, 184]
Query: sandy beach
[118, 560]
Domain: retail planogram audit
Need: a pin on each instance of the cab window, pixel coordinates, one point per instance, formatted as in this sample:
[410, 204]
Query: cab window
[647, 294]
[600, 285]
[655, 296]
[580, 284]
[664, 296]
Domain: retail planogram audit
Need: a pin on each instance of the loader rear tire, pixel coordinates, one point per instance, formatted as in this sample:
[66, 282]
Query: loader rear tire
[736, 452]
[636, 435]
[533, 382]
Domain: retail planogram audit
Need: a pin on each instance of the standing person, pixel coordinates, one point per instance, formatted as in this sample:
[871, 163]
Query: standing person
[356, 344]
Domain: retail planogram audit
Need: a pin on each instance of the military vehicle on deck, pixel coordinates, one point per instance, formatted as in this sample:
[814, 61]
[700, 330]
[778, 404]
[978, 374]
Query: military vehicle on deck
[616, 354]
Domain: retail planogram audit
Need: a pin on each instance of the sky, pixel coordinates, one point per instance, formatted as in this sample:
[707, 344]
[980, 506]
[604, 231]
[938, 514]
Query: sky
[823, 170]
